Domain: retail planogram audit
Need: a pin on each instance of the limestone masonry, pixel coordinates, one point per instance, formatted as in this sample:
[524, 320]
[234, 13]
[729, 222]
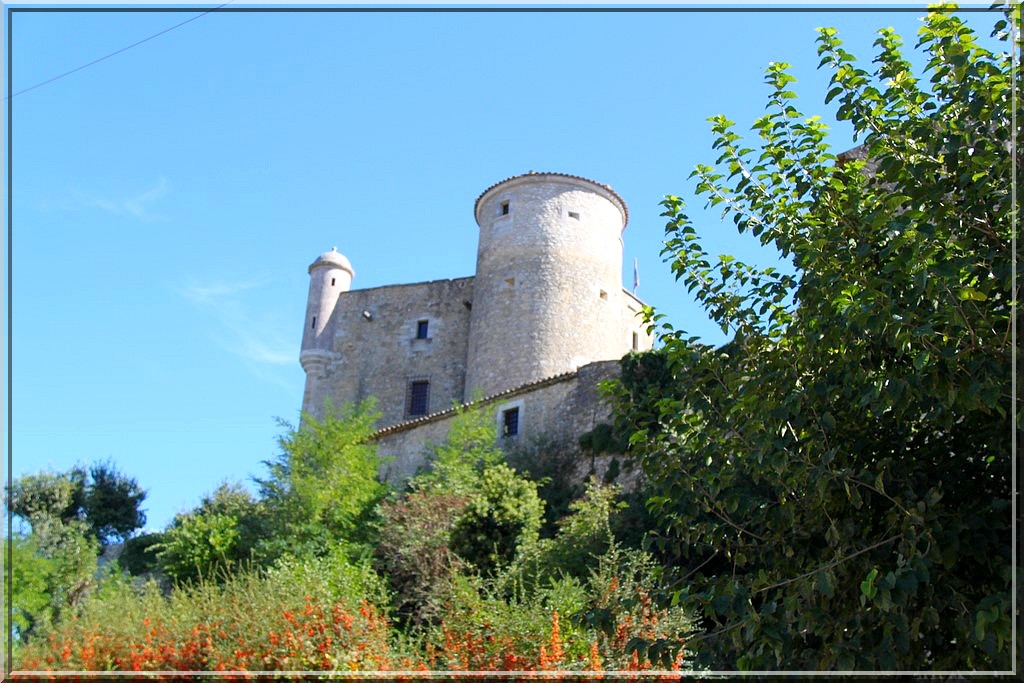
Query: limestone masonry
[526, 336]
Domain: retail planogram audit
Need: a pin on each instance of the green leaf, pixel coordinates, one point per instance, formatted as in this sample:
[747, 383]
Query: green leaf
[867, 586]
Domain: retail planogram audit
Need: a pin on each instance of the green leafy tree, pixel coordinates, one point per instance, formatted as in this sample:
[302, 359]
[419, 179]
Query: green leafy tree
[503, 516]
[31, 578]
[106, 500]
[216, 538]
[198, 545]
[838, 476]
[470, 446]
[427, 535]
[58, 561]
[324, 485]
[48, 495]
[111, 503]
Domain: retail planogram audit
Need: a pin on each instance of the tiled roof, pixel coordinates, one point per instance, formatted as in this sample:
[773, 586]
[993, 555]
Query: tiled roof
[563, 175]
[433, 417]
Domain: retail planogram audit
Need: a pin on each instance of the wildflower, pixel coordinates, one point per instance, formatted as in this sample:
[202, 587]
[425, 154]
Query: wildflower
[595, 657]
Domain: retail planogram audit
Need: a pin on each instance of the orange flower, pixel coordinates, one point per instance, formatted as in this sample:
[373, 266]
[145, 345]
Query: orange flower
[556, 639]
[595, 658]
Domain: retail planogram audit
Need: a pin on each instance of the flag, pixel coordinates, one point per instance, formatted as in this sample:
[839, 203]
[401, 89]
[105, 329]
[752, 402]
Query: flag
[636, 275]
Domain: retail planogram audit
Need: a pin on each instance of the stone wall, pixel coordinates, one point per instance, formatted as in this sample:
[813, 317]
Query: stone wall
[376, 351]
[559, 409]
[548, 280]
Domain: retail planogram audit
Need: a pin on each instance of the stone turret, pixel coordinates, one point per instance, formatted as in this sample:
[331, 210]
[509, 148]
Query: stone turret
[329, 276]
[548, 292]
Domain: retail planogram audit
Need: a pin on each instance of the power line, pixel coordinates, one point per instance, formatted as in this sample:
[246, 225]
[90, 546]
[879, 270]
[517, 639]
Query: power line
[117, 52]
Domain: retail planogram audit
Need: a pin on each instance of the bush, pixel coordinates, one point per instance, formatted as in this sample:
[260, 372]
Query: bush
[215, 538]
[320, 614]
[324, 485]
[138, 557]
[502, 516]
[414, 550]
[612, 620]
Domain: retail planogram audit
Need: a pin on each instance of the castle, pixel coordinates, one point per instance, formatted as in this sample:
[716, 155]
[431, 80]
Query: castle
[544, 319]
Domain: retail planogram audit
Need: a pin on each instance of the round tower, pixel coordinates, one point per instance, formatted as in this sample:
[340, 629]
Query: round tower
[548, 293]
[329, 275]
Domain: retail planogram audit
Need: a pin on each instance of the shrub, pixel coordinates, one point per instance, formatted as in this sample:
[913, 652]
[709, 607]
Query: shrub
[502, 516]
[310, 615]
[324, 485]
[414, 550]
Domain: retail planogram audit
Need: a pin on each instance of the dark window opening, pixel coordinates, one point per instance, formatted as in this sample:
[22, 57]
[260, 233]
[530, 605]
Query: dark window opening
[510, 423]
[574, 215]
[422, 328]
[312, 325]
[419, 397]
[332, 282]
[504, 208]
[636, 341]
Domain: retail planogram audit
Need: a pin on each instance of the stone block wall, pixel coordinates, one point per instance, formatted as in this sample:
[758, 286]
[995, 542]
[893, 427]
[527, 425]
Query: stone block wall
[558, 409]
[376, 351]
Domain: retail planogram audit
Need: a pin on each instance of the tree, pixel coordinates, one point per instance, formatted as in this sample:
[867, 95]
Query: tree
[48, 495]
[31, 574]
[217, 537]
[839, 474]
[108, 501]
[112, 503]
[470, 447]
[468, 510]
[502, 517]
[70, 515]
[324, 485]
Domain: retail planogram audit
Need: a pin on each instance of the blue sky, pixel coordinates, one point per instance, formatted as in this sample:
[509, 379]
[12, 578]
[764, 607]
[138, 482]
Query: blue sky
[167, 201]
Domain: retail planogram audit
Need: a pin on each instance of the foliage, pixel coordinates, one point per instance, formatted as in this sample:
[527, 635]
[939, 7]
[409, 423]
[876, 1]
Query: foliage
[839, 474]
[414, 551]
[112, 503]
[31, 578]
[463, 513]
[552, 464]
[502, 516]
[583, 535]
[58, 561]
[48, 495]
[138, 556]
[215, 538]
[635, 625]
[470, 446]
[106, 499]
[606, 621]
[324, 484]
[198, 545]
[321, 613]
[325, 614]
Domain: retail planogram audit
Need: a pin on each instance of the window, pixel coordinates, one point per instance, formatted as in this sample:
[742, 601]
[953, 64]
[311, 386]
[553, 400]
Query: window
[574, 215]
[312, 325]
[510, 423]
[636, 341]
[332, 282]
[604, 295]
[504, 208]
[422, 329]
[419, 397]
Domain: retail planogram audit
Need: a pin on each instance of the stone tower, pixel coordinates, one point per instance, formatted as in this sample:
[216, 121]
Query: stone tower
[548, 294]
[329, 276]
